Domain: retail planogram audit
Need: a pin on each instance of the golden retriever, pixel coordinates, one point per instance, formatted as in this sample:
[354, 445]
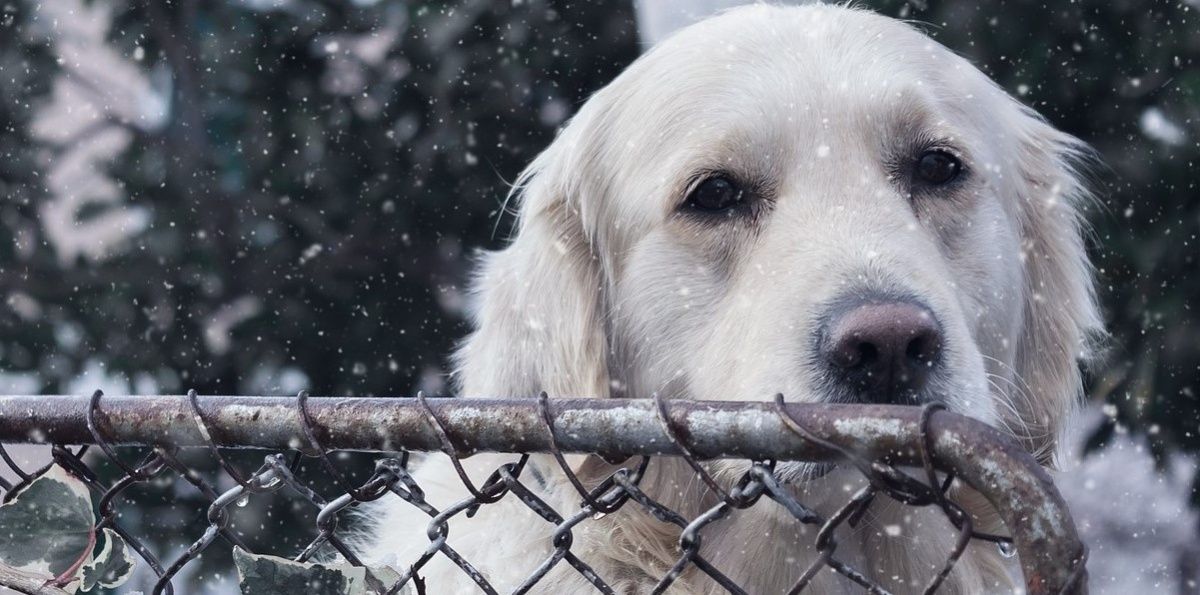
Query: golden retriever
[817, 201]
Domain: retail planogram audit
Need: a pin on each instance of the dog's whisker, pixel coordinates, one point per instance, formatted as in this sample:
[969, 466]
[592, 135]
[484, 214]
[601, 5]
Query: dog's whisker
[1026, 389]
[1007, 396]
[1004, 402]
[1027, 401]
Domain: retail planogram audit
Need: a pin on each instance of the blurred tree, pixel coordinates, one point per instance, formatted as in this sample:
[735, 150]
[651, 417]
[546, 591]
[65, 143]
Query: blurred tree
[308, 201]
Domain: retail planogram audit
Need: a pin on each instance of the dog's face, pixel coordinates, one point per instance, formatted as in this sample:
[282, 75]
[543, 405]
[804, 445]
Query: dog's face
[814, 201]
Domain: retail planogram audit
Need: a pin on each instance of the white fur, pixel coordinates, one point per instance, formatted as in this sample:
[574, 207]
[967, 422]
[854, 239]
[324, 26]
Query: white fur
[607, 290]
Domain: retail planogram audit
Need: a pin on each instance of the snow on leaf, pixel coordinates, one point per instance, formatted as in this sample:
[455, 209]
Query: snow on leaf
[112, 566]
[48, 527]
[271, 575]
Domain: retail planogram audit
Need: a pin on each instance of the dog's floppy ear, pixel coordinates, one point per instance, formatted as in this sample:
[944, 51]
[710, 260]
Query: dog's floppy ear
[1062, 322]
[539, 311]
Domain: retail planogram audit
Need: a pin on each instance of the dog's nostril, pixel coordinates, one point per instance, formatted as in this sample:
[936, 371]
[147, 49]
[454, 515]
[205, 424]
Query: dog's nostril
[883, 351]
[868, 354]
[853, 353]
[923, 348]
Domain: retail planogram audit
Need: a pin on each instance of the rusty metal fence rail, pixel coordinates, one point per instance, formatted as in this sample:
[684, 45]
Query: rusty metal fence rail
[909, 454]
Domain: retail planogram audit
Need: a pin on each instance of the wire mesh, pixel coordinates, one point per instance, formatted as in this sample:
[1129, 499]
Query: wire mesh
[883, 444]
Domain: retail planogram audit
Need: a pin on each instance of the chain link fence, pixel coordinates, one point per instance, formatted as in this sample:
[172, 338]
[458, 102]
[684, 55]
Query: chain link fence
[911, 455]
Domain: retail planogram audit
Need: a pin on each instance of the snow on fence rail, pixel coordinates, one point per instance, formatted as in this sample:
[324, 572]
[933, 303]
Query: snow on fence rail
[876, 440]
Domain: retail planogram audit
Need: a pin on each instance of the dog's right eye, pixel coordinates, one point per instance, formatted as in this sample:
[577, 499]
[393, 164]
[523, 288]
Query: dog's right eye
[714, 195]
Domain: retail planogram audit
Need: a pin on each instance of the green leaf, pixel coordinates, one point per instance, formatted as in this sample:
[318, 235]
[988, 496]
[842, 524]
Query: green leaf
[48, 527]
[112, 566]
[271, 575]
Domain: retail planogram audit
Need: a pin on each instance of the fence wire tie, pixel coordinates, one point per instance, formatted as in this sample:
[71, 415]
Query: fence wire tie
[584, 493]
[152, 466]
[306, 426]
[493, 488]
[664, 418]
[206, 434]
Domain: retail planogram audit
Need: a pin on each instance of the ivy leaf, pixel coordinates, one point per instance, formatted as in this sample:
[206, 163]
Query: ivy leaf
[48, 527]
[111, 567]
[271, 575]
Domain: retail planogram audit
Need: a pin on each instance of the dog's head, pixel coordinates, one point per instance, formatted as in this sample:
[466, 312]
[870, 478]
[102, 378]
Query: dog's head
[816, 201]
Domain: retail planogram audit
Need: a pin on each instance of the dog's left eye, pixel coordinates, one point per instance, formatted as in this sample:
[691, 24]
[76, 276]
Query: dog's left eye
[715, 195]
[938, 168]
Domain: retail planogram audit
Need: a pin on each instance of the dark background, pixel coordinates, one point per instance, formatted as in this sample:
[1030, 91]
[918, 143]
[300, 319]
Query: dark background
[334, 194]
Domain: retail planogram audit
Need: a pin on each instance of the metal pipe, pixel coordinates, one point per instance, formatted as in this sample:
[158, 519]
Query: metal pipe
[990, 462]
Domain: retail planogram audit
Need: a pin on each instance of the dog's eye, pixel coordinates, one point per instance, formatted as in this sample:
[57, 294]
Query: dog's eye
[714, 195]
[937, 168]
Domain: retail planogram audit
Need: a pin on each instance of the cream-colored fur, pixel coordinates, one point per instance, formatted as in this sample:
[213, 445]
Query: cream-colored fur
[607, 290]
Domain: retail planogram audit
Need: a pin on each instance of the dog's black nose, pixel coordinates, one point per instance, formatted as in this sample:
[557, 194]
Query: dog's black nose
[882, 351]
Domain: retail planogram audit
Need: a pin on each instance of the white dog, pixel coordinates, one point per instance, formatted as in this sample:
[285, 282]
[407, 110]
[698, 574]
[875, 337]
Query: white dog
[816, 201]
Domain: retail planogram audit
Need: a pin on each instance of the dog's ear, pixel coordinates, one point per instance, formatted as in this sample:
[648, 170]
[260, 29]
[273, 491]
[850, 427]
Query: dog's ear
[538, 310]
[1062, 324]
